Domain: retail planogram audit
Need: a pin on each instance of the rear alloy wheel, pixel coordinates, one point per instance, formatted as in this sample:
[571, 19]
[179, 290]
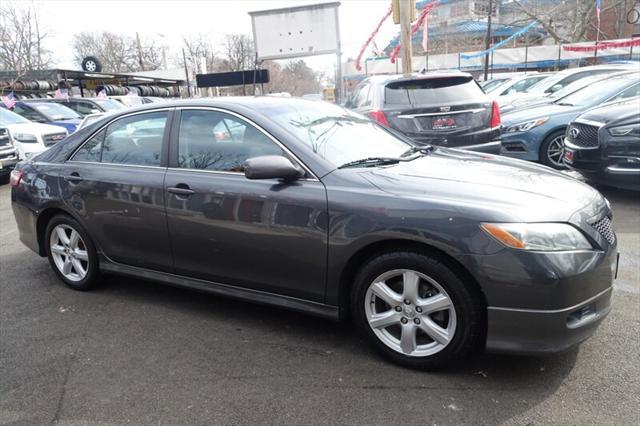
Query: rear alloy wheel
[71, 253]
[417, 310]
[552, 151]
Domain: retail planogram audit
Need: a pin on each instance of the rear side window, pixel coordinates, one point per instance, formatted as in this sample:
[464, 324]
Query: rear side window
[432, 91]
[135, 140]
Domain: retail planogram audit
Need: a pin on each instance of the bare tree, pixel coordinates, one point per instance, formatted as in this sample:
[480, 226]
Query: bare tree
[21, 37]
[239, 52]
[566, 21]
[118, 53]
[295, 78]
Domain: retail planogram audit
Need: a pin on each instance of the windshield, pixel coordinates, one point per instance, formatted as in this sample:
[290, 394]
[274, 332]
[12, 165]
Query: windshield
[492, 84]
[334, 133]
[542, 86]
[54, 111]
[9, 117]
[109, 104]
[593, 95]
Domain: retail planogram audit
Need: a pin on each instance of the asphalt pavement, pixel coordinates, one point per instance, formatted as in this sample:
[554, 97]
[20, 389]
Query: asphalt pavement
[136, 352]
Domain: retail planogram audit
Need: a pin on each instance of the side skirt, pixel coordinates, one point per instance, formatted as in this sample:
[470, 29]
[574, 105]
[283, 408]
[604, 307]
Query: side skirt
[257, 296]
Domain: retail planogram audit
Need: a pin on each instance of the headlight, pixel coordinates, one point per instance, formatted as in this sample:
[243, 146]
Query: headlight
[625, 130]
[538, 236]
[526, 125]
[24, 137]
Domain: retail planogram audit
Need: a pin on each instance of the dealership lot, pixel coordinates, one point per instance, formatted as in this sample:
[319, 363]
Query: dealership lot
[135, 351]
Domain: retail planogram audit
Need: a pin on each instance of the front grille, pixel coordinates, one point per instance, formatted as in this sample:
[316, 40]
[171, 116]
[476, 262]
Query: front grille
[583, 135]
[53, 138]
[604, 228]
[4, 137]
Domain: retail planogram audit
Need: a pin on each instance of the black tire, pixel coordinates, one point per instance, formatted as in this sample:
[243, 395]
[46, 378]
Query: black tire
[468, 302]
[92, 276]
[544, 151]
[91, 64]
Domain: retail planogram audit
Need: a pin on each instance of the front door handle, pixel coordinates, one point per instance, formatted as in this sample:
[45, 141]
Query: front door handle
[181, 189]
[73, 178]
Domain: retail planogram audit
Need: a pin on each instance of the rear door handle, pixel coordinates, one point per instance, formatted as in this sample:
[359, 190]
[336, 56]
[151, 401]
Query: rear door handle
[73, 178]
[183, 190]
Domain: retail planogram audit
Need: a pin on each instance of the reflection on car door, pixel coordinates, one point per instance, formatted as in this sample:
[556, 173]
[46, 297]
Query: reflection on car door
[115, 182]
[261, 234]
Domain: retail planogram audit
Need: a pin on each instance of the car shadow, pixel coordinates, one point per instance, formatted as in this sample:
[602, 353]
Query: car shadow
[305, 345]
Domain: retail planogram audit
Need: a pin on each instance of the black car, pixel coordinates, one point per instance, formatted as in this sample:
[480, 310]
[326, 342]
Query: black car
[445, 109]
[86, 106]
[604, 144]
[305, 205]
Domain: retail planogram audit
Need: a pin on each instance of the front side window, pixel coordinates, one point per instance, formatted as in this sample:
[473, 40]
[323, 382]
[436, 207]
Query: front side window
[135, 140]
[214, 140]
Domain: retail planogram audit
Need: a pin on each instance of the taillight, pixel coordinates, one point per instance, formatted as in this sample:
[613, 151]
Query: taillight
[495, 115]
[15, 177]
[379, 117]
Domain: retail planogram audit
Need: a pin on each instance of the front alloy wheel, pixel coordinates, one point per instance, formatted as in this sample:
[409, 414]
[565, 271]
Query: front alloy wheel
[410, 312]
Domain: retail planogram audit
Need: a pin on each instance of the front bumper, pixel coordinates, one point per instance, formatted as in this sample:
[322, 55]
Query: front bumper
[7, 164]
[522, 145]
[533, 332]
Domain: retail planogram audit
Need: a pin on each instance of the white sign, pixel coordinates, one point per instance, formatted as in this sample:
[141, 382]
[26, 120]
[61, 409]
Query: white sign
[296, 31]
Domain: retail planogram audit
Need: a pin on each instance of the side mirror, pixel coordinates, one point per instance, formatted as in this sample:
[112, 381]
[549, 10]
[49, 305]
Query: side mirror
[555, 88]
[271, 167]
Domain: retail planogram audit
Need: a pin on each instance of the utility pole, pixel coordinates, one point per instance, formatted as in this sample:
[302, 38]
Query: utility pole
[139, 52]
[488, 41]
[405, 35]
[186, 72]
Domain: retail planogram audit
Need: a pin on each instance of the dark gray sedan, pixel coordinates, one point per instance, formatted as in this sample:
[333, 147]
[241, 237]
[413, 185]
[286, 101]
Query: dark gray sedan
[433, 252]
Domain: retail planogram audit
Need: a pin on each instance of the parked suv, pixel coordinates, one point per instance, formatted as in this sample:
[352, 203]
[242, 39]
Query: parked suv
[8, 155]
[446, 109]
[27, 137]
[604, 144]
[85, 106]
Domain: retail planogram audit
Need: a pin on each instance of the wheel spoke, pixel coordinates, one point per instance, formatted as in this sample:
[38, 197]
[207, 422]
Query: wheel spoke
[62, 235]
[436, 303]
[410, 282]
[66, 267]
[385, 293]
[73, 240]
[77, 266]
[434, 331]
[57, 249]
[81, 255]
[385, 319]
[408, 338]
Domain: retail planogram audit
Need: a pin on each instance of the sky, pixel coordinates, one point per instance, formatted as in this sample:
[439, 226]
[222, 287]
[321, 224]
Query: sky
[168, 20]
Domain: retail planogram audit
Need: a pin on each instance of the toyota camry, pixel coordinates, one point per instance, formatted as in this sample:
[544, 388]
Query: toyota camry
[432, 252]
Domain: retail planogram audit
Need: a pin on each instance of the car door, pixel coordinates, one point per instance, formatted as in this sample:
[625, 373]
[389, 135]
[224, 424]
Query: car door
[115, 182]
[260, 234]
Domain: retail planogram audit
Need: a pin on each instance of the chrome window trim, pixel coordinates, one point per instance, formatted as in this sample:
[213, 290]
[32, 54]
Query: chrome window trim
[70, 158]
[251, 122]
[117, 164]
[432, 114]
[222, 172]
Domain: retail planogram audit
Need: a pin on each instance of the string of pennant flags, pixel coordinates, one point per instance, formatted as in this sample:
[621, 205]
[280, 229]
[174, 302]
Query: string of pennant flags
[501, 43]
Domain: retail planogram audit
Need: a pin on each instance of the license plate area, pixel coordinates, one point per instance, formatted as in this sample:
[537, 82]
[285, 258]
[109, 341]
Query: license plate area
[443, 122]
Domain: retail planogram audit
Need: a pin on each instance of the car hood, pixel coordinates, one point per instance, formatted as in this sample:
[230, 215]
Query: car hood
[512, 190]
[618, 111]
[550, 110]
[33, 128]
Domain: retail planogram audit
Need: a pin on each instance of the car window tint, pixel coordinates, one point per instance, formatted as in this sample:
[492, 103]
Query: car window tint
[630, 92]
[217, 141]
[430, 91]
[91, 150]
[135, 140]
[28, 113]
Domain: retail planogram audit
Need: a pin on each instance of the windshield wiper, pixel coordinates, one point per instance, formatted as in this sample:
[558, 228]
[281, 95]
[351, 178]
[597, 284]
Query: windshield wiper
[378, 161]
[371, 161]
[564, 103]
